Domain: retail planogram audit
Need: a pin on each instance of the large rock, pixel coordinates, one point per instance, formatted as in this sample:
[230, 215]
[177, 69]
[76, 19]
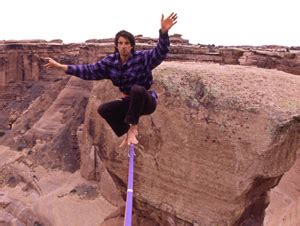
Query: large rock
[33, 195]
[286, 60]
[52, 138]
[284, 208]
[222, 136]
[23, 60]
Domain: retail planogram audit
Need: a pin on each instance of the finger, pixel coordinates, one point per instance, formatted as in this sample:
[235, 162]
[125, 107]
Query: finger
[47, 58]
[162, 17]
[171, 15]
[174, 17]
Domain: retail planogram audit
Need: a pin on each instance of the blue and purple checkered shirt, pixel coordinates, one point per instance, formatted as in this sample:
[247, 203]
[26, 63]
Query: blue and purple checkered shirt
[137, 70]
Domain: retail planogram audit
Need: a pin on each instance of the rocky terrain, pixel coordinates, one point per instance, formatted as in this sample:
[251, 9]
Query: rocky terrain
[221, 149]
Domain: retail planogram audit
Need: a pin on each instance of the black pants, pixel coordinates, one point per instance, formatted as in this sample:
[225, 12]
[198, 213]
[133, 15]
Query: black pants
[120, 113]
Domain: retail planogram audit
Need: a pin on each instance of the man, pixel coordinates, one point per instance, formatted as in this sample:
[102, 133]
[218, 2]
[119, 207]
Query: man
[131, 71]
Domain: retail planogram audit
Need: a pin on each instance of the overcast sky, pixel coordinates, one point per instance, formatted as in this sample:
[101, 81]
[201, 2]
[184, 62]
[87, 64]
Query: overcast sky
[220, 22]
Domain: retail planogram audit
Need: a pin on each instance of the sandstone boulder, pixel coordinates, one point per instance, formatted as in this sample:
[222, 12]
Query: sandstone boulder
[33, 195]
[221, 138]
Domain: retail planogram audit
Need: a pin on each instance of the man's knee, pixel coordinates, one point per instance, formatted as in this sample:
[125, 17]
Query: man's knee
[103, 110]
[137, 90]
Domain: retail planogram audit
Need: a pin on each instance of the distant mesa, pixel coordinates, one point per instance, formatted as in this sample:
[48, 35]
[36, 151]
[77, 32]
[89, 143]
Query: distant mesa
[12, 41]
[60, 41]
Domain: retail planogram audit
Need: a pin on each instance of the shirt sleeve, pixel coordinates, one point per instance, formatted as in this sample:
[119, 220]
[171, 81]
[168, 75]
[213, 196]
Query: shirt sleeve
[96, 71]
[155, 56]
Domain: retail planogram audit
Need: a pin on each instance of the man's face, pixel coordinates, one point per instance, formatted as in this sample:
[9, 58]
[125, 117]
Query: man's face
[124, 47]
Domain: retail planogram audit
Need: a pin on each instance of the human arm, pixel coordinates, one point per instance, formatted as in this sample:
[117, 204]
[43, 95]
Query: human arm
[96, 71]
[155, 56]
[168, 23]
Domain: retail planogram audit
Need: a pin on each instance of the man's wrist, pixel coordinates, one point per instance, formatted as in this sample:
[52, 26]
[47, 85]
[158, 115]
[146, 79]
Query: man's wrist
[163, 31]
[63, 67]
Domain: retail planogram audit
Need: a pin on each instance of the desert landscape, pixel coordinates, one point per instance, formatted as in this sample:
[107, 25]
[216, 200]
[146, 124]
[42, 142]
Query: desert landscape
[221, 149]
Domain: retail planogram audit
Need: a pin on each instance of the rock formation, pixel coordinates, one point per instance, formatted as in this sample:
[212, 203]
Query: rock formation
[221, 138]
[225, 133]
[33, 195]
[22, 60]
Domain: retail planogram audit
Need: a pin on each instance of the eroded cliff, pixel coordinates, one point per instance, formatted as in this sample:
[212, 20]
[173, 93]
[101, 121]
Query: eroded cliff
[222, 136]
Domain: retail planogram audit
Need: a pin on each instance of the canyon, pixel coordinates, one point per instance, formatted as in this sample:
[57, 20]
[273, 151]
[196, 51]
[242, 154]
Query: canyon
[221, 149]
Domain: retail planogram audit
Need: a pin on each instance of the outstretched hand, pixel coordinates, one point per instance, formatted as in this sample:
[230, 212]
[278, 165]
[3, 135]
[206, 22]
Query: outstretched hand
[167, 23]
[54, 64]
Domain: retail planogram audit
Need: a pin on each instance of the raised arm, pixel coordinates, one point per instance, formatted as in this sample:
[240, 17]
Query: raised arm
[155, 56]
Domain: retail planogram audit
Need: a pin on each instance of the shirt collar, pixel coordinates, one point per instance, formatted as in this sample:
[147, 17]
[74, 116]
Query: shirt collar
[118, 59]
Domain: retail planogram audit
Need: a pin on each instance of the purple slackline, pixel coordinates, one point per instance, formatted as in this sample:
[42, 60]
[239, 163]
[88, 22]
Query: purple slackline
[128, 211]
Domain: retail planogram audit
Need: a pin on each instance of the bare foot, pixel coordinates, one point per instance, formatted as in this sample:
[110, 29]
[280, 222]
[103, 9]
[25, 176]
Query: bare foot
[130, 137]
[124, 142]
[132, 134]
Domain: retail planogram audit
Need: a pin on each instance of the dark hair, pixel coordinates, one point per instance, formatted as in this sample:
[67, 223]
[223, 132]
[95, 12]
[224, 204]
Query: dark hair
[124, 34]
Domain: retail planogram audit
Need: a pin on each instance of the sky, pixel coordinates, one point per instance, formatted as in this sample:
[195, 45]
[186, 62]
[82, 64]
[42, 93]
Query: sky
[219, 22]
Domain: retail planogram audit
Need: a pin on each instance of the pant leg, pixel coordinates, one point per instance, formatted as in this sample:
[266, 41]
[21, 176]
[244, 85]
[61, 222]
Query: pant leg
[114, 113]
[141, 103]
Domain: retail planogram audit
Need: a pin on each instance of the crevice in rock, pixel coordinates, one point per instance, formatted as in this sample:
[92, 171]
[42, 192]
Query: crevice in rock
[258, 197]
